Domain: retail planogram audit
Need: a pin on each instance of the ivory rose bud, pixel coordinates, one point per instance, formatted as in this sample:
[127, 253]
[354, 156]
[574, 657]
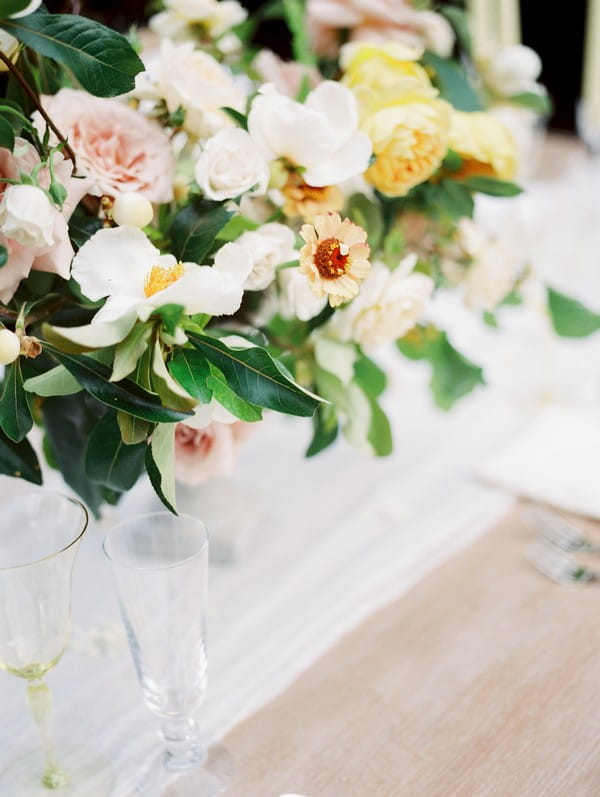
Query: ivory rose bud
[484, 143]
[10, 346]
[27, 216]
[231, 164]
[400, 112]
[269, 246]
[512, 70]
[117, 148]
[132, 210]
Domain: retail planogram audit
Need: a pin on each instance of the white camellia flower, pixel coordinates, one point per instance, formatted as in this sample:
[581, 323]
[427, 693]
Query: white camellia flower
[27, 216]
[122, 265]
[187, 78]
[296, 298]
[321, 135]
[389, 304]
[231, 164]
[269, 247]
[217, 16]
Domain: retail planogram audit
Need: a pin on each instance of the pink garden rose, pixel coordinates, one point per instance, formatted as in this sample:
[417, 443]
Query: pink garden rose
[117, 148]
[378, 21]
[203, 454]
[286, 76]
[54, 254]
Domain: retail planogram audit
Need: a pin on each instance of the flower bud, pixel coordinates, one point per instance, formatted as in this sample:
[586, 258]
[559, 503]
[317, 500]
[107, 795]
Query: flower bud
[10, 346]
[132, 210]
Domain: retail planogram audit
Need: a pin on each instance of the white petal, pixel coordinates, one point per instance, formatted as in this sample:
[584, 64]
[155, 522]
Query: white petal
[233, 261]
[202, 289]
[99, 334]
[205, 414]
[338, 106]
[350, 160]
[114, 261]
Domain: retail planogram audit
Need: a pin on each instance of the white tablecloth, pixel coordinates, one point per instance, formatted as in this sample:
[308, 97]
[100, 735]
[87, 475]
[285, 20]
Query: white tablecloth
[340, 536]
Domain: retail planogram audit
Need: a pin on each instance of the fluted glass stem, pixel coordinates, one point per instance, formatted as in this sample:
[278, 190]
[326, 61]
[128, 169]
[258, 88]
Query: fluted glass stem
[39, 701]
[184, 748]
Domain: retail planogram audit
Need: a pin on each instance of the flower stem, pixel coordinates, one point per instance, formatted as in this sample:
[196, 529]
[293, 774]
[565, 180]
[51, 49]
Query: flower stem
[36, 101]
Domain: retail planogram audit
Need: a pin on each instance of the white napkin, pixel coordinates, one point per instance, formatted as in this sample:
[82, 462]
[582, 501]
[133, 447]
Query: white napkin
[556, 461]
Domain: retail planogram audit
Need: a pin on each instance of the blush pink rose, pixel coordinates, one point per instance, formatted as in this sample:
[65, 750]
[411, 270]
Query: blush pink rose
[55, 257]
[378, 21]
[117, 148]
[286, 76]
[203, 454]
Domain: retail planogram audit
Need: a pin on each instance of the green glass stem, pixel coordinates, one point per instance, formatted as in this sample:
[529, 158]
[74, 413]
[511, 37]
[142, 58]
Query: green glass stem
[39, 702]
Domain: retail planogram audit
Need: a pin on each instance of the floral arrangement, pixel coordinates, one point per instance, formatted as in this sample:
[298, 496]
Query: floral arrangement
[194, 231]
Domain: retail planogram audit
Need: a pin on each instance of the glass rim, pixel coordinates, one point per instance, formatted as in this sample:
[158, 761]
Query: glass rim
[146, 516]
[72, 500]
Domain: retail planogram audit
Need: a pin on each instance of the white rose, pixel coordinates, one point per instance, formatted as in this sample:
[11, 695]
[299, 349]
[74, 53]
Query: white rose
[217, 17]
[269, 247]
[296, 298]
[231, 164]
[513, 70]
[389, 304]
[27, 216]
[193, 80]
[494, 267]
[320, 135]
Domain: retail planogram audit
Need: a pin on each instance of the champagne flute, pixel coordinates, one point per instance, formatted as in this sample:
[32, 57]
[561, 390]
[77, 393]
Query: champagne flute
[40, 532]
[160, 566]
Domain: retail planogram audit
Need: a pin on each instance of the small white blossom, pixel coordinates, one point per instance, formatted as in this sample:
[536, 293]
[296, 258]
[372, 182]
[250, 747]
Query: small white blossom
[27, 216]
[230, 165]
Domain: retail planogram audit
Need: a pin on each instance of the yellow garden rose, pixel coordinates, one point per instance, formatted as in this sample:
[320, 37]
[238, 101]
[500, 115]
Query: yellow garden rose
[400, 112]
[485, 145]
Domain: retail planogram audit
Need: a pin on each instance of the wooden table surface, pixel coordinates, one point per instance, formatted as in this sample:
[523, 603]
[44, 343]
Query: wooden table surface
[483, 680]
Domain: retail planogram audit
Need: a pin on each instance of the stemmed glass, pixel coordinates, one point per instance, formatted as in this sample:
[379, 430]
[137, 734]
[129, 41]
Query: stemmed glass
[160, 566]
[40, 532]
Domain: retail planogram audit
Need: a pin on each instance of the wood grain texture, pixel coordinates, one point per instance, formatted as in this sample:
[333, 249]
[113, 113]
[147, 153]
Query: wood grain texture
[483, 681]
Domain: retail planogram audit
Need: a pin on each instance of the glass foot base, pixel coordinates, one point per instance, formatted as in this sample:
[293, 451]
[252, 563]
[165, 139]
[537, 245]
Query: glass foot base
[208, 779]
[81, 774]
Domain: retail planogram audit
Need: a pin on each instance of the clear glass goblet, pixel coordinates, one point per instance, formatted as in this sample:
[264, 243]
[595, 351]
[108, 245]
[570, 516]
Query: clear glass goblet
[160, 566]
[40, 532]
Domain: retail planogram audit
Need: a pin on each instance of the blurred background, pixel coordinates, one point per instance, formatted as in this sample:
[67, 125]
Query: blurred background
[556, 34]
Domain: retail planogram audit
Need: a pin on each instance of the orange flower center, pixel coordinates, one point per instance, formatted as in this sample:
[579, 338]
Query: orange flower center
[160, 277]
[331, 258]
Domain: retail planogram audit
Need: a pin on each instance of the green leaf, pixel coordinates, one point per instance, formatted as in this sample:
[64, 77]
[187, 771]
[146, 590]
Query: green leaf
[160, 464]
[540, 103]
[453, 375]
[19, 460]
[101, 59]
[94, 377]
[8, 7]
[369, 376]
[380, 432]
[129, 351]
[454, 198]
[459, 20]
[170, 391]
[108, 460]
[3, 256]
[367, 215]
[236, 225]
[69, 421]
[55, 382]
[231, 401]
[170, 315]
[237, 117]
[255, 376]
[195, 227]
[325, 429]
[295, 16]
[82, 227]
[491, 186]
[570, 318]
[133, 430]
[191, 369]
[15, 415]
[452, 81]
[7, 136]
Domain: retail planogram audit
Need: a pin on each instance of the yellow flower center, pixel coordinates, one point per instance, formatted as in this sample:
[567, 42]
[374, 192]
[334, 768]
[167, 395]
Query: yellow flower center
[160, 277]
[331, 258]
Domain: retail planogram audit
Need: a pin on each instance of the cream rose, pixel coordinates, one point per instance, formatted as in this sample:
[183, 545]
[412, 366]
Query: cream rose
[27, 216]
[117, 148]
[215, 16]
[269, 246]
[231, 164]
[187, 78]
[390, 303]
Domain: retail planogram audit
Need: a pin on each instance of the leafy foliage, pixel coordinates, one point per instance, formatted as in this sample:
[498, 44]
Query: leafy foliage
[570, 318]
